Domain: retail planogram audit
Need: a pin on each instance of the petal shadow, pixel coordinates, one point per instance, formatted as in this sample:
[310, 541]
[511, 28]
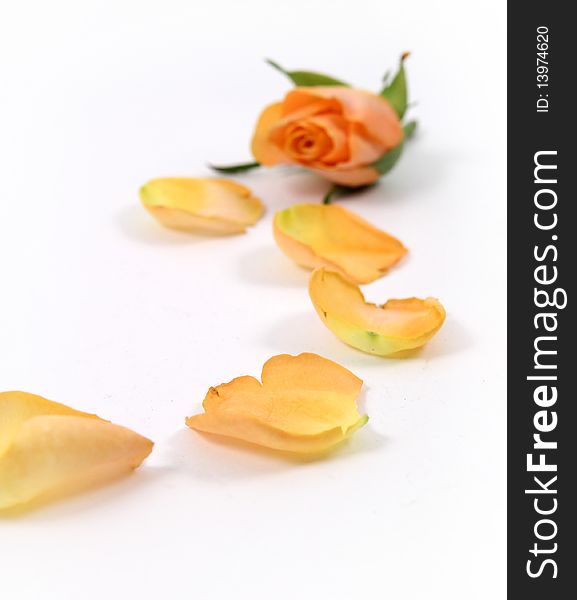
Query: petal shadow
[218, 458]
[266, 265]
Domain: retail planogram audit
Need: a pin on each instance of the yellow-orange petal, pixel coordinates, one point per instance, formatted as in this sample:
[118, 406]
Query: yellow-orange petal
[396, 326]
[306, 404]
[316, 235]
[48, 448]
[201, 204]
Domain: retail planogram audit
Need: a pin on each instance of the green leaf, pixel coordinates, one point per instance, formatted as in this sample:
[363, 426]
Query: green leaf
[234, 168]
[396, 91]
[307, 78]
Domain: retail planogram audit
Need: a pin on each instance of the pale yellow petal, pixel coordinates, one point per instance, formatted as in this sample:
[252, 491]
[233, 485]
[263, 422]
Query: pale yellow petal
[48, 448]
[201, 204]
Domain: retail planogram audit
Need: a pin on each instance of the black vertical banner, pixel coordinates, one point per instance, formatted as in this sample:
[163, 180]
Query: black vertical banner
[542, 258]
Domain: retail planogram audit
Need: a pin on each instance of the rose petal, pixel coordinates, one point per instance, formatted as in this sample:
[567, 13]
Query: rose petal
[366, 108]
[265, 153]
[316, 235]
[305, 404]
[302, 102]
[396, 326]
[355, 105]
[363, 150]
[305, 142]
[46, 448]
[201, 204]
[349, 177]
[336, 128]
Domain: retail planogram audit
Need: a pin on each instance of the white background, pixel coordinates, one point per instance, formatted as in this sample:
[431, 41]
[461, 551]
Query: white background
[102, 309]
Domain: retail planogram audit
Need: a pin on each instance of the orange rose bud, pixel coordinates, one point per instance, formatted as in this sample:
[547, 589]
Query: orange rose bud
[335, 131]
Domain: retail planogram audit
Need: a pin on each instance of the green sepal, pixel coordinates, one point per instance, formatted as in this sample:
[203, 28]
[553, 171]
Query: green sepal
[240, 168]
[307, 78]
[396, 91]
[389, 159]
[409, 129]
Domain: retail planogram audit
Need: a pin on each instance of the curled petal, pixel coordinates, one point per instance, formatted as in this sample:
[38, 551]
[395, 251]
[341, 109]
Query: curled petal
[201, 204]
[336, 128]
[302, 103]
[316, 235]
[306, 142]
[48, 448]
[396, 326]
[305, 404]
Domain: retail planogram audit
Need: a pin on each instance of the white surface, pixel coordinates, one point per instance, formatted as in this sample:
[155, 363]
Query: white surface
[102, 309]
